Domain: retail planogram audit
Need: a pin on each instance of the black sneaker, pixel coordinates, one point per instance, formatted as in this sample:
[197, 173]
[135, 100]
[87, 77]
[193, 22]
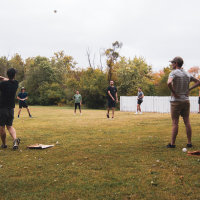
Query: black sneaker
[16, 143]
[107, 116]
[30, 116]
[5, 146]
[189, 145]
[170, 146]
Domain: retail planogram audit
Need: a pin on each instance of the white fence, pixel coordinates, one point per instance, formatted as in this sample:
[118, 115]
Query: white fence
[153, 104]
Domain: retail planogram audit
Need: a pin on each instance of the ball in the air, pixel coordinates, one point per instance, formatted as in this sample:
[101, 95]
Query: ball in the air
[55, 11]
[184, 150]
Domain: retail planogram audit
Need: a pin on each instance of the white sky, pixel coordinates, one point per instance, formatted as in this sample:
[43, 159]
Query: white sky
[157, 30]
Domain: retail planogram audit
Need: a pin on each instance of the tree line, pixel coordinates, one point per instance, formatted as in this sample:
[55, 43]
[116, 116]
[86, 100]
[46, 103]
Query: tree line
[54, 81]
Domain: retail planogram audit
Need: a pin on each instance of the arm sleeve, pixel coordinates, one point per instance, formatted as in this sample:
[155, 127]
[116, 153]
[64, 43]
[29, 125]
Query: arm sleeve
[73, 97]
[18, 95]
[116, 89]
[80, 98]
[108, 89]
[172, 75]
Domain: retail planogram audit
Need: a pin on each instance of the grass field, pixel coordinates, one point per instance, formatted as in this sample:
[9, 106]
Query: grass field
[99, 158]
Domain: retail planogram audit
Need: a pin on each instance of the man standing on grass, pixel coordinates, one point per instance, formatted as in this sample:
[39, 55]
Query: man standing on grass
[78, 100]
[22, 96]
[180, 104]
[112, 98]
[8, 88]
[139, 100]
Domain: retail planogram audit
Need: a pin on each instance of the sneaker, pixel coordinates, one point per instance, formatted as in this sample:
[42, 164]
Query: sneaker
[136, 113]
[140, 113]
[107, 115]
[18, 117]
[30, 116]
[16, 143]
[74, 114]
[5, 146]
[170, 146]
[80, 113]
[189, 145]
[198, 112]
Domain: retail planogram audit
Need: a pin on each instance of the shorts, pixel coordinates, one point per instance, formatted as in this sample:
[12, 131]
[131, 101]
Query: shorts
[139, 101]
[180, 108]
[6, 117]
[199, 101]
[77, 104]
[111, 103]
[24, 105]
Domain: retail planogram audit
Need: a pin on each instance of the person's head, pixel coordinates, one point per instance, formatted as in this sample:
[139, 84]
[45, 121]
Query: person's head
[77, 92]
[177, 62]
[111, 83]
[23, 89]
[11, 73]
[139, 89]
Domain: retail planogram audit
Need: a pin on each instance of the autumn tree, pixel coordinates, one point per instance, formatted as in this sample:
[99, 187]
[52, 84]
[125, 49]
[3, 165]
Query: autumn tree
[112, 55]
[132, 74]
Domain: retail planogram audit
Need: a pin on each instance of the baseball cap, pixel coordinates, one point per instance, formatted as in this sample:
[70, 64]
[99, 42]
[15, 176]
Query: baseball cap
[11, 72]
[23, 88]
[177, 59]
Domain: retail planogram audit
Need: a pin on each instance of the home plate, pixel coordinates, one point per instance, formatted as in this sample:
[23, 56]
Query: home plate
[39, 146]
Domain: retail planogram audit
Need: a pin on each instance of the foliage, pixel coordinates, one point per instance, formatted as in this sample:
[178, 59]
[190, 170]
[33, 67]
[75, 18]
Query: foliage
[112, 55]
[55, 80]
[132, 74]
[162, 89]
[93, 85]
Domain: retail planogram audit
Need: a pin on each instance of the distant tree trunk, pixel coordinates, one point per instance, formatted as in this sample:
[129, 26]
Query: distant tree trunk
[88, 55]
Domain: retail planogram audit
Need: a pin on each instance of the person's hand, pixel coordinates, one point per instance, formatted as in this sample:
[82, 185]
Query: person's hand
[187, 94]
[80, 103]
[116, 100]
[137, 98]
[175, 95]
[113, 99]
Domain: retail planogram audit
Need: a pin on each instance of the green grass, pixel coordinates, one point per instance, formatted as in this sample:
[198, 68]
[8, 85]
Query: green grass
[99, 158]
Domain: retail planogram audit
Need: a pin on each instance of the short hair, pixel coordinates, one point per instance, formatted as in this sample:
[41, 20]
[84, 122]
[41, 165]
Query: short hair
[11, 73]
[180, 64]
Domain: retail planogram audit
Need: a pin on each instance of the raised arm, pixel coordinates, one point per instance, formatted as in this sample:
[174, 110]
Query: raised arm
[3, 78]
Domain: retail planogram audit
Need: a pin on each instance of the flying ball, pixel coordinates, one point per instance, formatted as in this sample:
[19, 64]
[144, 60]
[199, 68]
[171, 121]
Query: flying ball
[184, 150]
[55, 11]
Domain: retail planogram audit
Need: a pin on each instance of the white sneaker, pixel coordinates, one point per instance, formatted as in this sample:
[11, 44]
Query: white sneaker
[136, 113]
[80, 113]
[74, 114]
[140, 113]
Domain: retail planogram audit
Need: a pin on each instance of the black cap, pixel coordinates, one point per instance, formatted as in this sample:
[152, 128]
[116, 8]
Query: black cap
[11, 72]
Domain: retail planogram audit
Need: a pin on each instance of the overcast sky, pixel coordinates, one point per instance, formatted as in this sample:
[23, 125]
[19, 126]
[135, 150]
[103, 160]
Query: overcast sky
[157, 30]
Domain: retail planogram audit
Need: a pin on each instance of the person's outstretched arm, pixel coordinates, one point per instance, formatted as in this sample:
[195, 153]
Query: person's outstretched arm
[3, 78]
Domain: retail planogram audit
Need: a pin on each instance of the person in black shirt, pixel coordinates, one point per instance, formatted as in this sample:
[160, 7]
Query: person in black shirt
[8, 88]
[22, 96]
[112, 98]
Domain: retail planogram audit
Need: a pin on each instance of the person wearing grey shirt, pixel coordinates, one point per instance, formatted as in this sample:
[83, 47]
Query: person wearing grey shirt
[178, 82]
[139, 100]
